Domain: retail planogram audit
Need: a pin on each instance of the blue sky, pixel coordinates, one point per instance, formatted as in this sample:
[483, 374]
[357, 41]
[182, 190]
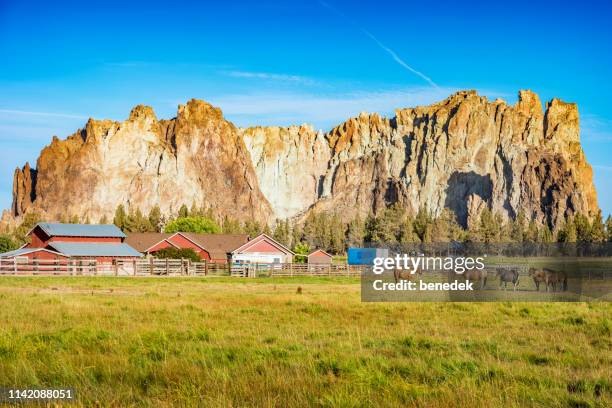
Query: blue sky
[284, 62]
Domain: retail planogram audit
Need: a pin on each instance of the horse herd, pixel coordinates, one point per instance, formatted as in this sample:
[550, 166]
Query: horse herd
[552, 280]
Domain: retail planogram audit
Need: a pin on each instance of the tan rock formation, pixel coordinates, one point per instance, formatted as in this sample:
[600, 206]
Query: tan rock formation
[463, 153]
[142, 162]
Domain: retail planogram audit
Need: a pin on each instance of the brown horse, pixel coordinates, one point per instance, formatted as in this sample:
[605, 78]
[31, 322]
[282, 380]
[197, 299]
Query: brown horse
[399, 274]
[476, 275]
[549, 277]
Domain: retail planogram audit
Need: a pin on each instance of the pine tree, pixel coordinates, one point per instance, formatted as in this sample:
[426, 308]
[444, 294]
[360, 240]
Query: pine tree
[517, 231]
[183, 211]
[488, 230]
[567, 233]
[252, 228]
[129, 224]
[337, 232]
[355, 232]
[266, 230]
[598, 229]
[155, 219]
[441, 227]
[120, 217]
[194, 211]
[545, 234]
[309, 230]
[281, 232]
[141, 223]
[407, 234]
[583, 228]
[423, 224]
[296, 234]
[230, 225]
[532, 233]
[505, 228]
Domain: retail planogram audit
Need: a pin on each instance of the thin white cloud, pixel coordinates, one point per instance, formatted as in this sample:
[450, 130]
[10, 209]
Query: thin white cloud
[399, 60]
[48, 114]
[268, 76]
[388, 50]
[602, 167]
[594, 128]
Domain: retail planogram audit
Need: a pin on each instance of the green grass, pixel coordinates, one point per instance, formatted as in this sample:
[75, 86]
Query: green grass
[244, 342]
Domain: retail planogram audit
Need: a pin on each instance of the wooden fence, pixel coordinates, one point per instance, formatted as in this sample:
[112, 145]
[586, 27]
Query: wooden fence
[168, 267]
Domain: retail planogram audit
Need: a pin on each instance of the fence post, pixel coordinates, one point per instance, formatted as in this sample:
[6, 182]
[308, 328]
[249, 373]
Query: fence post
[116, 267]
[205, 267]
[36, 267]
[15, 265]
[229, 268]
[151, 266]
[134, 266]
[167, 266]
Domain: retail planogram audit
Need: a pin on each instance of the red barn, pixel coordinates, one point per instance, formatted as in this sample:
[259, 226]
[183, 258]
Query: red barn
[210, 247]
[103, 243]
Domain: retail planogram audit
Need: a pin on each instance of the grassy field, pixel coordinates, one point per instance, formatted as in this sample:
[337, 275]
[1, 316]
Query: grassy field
[231, 342]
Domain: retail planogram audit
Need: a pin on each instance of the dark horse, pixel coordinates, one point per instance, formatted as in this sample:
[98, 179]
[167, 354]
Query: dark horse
[508, 275]
[549, 277]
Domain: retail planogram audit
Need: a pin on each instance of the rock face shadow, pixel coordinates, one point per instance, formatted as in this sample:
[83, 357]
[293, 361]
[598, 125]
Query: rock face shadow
[461, 186]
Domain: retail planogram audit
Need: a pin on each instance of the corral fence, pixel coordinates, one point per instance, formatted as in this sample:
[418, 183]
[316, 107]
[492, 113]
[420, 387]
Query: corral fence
[169, 267]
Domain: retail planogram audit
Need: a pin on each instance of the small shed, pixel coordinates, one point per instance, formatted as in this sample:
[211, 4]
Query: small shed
[319, 257]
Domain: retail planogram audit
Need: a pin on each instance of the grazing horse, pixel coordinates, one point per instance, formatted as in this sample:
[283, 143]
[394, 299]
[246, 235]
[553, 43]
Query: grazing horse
[549, 277]
[476, 275]
[508, 275]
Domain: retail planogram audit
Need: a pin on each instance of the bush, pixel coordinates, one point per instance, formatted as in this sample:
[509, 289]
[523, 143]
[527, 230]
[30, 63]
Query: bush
[301, 251]
[7, 244]
[193, 224]
[176, 253]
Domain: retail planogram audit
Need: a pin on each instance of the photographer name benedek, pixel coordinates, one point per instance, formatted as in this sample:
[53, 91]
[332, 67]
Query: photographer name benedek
[420, 285]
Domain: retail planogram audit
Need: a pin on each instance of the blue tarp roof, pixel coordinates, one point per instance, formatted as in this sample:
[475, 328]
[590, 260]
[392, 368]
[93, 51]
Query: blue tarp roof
[94, 249]
[81, 230]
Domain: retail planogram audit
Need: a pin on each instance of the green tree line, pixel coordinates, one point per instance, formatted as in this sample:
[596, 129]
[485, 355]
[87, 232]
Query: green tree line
[328, 232]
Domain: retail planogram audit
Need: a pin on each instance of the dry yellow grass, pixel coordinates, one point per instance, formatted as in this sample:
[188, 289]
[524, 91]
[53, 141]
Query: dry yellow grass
[230, 342]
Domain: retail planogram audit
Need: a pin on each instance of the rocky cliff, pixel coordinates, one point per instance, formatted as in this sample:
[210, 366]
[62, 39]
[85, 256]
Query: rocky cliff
[464, 153]
[142, 162]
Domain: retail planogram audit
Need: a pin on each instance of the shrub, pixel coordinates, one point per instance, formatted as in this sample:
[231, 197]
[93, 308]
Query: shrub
[7, 244]
[176, 253]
